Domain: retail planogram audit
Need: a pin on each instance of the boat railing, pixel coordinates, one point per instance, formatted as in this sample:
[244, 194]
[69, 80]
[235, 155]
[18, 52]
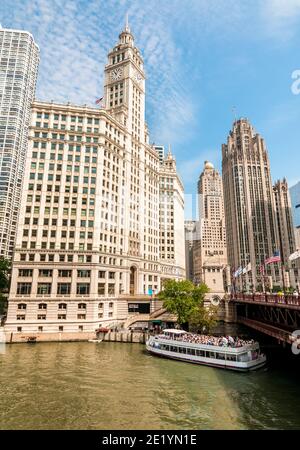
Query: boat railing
[236, 348]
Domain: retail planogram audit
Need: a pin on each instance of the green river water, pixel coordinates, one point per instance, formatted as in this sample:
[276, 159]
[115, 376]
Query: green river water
[120, 386]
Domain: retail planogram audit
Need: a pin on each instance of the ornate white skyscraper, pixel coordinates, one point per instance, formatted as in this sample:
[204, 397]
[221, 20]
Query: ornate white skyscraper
[88, 244]
[19, 58]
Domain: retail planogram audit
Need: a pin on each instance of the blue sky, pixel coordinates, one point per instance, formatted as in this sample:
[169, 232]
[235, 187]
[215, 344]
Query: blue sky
[202, 58]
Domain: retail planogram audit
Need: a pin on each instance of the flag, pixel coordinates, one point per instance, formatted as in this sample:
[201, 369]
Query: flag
[238, 272]
[275, 258]
[294, 255]
[98, 100]
[247, 269]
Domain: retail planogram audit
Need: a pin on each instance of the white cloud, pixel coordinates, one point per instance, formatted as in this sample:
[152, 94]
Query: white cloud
[191, 169]
[281, 17]
[75, 39]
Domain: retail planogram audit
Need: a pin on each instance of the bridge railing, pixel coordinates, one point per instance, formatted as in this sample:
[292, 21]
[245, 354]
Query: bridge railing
[287, 299]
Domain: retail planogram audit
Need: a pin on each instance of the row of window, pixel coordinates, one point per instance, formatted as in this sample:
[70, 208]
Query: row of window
[63, 306]
[65, 273]
[63, 288]
[70, 258]
[61, 316]
[63, 118]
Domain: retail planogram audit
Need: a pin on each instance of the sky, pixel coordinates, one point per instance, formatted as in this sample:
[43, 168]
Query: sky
[206, 62]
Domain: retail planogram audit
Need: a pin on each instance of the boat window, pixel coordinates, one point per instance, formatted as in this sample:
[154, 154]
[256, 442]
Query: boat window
[200, 353]
[211, 354]
[254, 354]
[221, 356]
[243, 357]
[231, 358]
[182, 350]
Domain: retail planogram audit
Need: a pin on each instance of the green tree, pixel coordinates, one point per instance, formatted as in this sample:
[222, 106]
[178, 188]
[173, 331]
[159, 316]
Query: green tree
[4, 282]
[203, 319]
[182, 298]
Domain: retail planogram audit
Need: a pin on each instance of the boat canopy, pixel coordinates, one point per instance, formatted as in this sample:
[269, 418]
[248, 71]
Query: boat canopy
[174, 331]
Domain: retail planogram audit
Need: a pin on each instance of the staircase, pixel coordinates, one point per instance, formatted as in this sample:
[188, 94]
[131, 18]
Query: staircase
[136, 318]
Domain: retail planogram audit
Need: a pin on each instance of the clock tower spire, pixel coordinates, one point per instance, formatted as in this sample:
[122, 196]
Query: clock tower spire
[124, 84]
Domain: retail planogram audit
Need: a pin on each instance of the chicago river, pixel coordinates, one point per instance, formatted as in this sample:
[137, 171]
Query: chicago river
[120, 386]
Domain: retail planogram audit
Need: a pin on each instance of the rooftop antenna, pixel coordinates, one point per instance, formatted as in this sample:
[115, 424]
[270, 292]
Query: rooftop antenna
[126, 23]
[234, 113]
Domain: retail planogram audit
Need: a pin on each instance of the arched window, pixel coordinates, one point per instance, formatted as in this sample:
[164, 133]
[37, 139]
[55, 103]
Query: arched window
[42, 305]
[22, 306]
[81, 305]
[100, 305]
[62, 306]
[132, 280]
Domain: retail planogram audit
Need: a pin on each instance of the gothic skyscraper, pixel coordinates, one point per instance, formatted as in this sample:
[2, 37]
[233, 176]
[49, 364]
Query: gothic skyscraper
[252, 234]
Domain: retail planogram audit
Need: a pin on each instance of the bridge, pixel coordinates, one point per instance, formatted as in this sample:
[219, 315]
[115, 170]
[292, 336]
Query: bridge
[272, 314]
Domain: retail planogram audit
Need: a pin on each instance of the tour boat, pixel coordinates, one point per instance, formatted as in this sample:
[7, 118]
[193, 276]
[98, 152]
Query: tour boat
[193, 348]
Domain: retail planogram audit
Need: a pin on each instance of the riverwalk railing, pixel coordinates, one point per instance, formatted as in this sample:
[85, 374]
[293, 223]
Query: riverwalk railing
[289, 300]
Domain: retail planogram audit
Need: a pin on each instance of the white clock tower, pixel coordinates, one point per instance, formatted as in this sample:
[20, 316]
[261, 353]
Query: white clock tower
[124, 85]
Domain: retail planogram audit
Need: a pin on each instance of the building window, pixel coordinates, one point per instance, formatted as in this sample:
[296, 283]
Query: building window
[24, 288]
[61, 316]
[25, 272]
[64, 288]
[44, 288]
[64, 273]
[42, 305]
[40, 329]
[100, 306]
[41, 317]
[80, 328]
[22, 306]
[81, 305]
[111, 288]
[19, 329]
[81, 316]
[45, 273]
[20, 316]
[101, 288]
[83, 273]
[62, 306]
[83, 289]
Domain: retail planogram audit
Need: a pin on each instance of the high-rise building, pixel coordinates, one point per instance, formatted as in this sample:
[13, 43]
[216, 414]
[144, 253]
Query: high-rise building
[295, 200]
[88, 245]
[171, 216]
[19, 59]
[210, 252]
[286, 231]
[190, 232]
[161, 152]
[297, 237]
[251, 227]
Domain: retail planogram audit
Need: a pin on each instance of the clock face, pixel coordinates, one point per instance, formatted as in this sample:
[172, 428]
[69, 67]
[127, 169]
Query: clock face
[138, 77]
[116, 74]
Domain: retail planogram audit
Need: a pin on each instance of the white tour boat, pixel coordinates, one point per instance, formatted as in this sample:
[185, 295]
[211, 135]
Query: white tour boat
[193, 348]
